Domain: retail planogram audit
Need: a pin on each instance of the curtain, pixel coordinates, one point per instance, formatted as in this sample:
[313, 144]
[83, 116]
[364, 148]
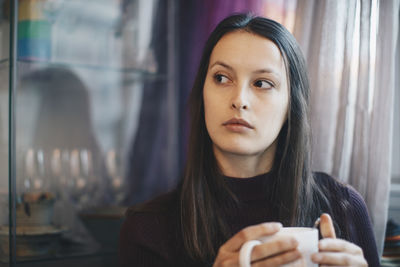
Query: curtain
[350, 52]
[150, 157]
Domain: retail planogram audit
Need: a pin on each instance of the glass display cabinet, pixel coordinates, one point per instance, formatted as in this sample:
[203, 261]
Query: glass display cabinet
[88, 124]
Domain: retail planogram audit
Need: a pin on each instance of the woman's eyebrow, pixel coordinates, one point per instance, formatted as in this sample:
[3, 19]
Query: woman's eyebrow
[266, 70]
[260, 71]
[270, 71]
[222, 64]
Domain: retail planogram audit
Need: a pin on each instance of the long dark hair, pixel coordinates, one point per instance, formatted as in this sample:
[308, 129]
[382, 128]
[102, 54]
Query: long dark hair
[202, 229]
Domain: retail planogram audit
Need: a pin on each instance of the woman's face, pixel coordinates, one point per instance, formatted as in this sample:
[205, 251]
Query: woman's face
[246, 95]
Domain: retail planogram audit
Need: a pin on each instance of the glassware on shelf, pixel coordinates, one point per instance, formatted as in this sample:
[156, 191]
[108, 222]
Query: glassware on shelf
[114, 166]
[36, 234]
[81, 168]
[36, 198]
[33, 180]
[76, 179]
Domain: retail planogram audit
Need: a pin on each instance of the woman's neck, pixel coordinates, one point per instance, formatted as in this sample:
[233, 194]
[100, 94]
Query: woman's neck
[244, 166]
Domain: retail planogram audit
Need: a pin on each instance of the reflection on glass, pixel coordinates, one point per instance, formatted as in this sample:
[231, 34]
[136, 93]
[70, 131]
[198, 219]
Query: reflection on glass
[78, 108]
[59, 169]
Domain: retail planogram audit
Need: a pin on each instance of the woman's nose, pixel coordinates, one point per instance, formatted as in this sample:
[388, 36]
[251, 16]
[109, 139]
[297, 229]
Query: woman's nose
[236, 105]
[240, 98]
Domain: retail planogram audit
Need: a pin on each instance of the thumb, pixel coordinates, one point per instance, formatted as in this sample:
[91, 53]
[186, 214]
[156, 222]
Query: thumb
[326, 226]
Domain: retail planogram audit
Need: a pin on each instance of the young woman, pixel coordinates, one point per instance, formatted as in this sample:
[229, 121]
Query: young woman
[248, 165]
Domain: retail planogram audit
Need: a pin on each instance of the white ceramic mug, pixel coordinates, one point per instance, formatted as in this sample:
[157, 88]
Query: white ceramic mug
[308, 245]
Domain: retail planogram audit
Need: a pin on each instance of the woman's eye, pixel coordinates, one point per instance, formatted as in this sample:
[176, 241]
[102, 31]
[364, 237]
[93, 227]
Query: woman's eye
[221, 78]
[263, 84]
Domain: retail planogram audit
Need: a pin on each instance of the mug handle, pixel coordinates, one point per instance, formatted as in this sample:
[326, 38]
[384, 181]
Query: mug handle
[245, 253]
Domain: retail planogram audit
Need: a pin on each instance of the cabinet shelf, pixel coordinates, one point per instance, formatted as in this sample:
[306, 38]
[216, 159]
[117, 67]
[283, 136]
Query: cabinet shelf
[82, 255]
[135, 73]
[130, 73]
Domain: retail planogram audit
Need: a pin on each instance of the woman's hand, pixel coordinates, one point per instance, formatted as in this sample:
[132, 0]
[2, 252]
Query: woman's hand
[334, 251]
[274, 253]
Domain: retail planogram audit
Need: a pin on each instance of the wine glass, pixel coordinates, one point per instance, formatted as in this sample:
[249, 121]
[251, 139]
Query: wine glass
[113, 164]
[35, 179]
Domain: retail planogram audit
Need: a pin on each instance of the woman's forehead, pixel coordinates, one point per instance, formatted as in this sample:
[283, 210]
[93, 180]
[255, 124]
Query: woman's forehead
[247, 50]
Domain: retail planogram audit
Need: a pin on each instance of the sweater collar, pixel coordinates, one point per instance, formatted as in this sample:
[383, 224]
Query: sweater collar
[251, 188]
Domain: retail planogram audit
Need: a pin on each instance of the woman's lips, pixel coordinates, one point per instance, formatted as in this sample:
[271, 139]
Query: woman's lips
[237, 125]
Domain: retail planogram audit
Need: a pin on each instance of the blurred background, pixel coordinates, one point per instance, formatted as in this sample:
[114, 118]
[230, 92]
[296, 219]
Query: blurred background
[93, 114]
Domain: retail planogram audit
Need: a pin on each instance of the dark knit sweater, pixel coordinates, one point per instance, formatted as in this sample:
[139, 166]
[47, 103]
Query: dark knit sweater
[149, 235]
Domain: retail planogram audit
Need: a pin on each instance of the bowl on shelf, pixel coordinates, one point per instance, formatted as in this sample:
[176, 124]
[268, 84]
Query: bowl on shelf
[35, 209]
[36, 236]
[32, 242]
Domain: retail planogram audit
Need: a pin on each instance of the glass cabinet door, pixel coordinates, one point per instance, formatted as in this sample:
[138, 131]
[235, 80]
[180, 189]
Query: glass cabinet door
[4, 133]
[95, 123]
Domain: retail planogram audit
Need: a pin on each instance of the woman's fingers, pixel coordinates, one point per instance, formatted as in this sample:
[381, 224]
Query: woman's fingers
[279, 260]
[338, 252]
[250, 233]
[326, 226]
[338, 259]
[339, 245]
[278, 246]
